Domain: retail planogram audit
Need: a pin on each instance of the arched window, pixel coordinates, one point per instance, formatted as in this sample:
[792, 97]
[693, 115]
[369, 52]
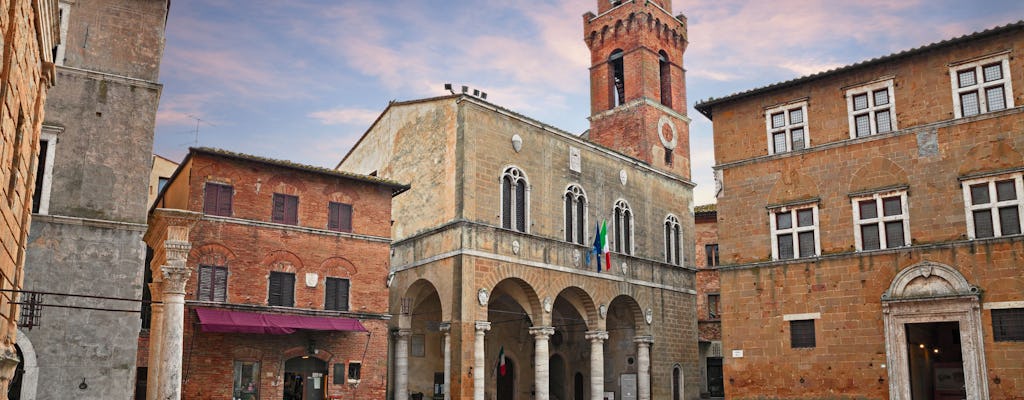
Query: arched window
[666, 78]
[677, 383]
[575, 214]
[673, 241]
[514, 199]
[617, 79]
[623, 228]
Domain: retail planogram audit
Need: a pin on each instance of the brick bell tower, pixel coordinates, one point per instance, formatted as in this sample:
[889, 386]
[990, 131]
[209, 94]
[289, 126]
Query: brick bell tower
[637, 82]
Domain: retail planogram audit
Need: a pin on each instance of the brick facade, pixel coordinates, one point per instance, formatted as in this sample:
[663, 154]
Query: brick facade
[251, 247]
[861, 300]
[709, 323]
[26, 75]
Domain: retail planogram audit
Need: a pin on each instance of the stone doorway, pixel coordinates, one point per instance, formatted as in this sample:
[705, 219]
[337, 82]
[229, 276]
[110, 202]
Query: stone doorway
[924, 300]
[506, 385]
[935, 361]
[305, 378]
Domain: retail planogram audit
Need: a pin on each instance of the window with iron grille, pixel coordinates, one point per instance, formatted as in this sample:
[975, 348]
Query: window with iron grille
[881, 221]
[794, 232]
[1008, 324]
[339, 217]
[355, 371]
[217, 199]
[514, 200]
[673, 241]
[281, 290]
[711, 251]
[994, 205]
[871, 108]
[981, 86]
[336, 297]
[787, 128]
[801, 334]
[213, 283]
[286, 209]
[575, 215]
[623, 228]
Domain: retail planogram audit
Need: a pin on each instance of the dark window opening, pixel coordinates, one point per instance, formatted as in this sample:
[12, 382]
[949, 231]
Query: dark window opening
[617, 95]
[37, 194]
[217, 199]
[668, 156]
[354, 371]
[801, 334]
[339, 374]
[1008, 325]
[713, 306]
[286, 209]
[666, 78]
[281, 291]
[711, 251]
[521, 206]
[16, 159]
[336, 294]
[339, 217]
[506, 202]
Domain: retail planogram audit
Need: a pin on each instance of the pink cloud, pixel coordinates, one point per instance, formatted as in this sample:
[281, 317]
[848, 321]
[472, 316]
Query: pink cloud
[346, 116]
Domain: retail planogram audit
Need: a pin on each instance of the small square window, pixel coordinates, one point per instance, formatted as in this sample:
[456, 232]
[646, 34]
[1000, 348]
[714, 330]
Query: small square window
[796, 116]
[883, 121]
[996, 99]
[1008, 325]
[892, 206]
[355, 371]
[969, 102]
[801, 334]
[805, 217]
[979, 194]
[860, 102]
[868, 210]
[863, 123]
[993, 72]
[1005, 190]
[967, 78]
[881, 97]
[778, 120]
[783, 220]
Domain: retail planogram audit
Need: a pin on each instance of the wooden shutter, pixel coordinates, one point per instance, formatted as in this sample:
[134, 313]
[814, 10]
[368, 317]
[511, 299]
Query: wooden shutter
[288, 290]
[345, 217]
[336, 297]
[291, 210]
[224, 200]
[281, 291]
[330, 294]
[342, 294]
[210, 198]
[333, 216]
[205, 279]
[277, 215]
[220, 284]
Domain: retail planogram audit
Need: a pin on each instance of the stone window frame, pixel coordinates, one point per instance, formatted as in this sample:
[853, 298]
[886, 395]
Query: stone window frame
[358, 371]
[514, 175]
[994, 206]
[794, 229]
[578, 234]
[796, 319]
[711, 255]
[880, 220]
[714, 307]
[871, 110]
[788, 126]
[63, 15]
[47, 134]
[977, 66]
[235, 378]
[623, 242]
[674, 253]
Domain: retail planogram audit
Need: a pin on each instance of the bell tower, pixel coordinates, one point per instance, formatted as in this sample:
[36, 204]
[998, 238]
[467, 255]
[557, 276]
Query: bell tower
[637, 82]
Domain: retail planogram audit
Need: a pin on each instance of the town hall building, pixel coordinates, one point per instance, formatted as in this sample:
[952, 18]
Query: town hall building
[494, 292]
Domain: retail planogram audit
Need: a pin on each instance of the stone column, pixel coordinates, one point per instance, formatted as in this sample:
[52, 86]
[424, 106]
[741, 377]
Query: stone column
[643, 368]
[446, 330]
[479, 369]
[597, 339]
[541, 360]
[175, 275]
[402, 364]
[156, 321]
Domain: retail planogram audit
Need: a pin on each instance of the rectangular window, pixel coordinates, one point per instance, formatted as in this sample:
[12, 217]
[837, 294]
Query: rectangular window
[794, 231]
[44, 170]
[336, 294]
[994, 205]
[801, 334]
[355, 371]
[281, 291]
[161, 182]
[339, 374]
[871, 109]
[981, 86]
[1008, 325]
[881, 220]
[247, 380]
[787, 128]
[713, 308]
[711, 251]
[286, 209]
[217, 199]
[213, 283]
[339, 217]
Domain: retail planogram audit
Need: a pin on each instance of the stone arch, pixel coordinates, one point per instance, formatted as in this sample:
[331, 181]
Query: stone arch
[285, 183]
[633, 307]
[347, 197]
[283, 261]
[878, 173]
[929, 279]
[421, 290]
[522, 293]
[30, 378]
[792, 185]
[339, 264]
[212, 254]
[582, 303]
[990, 156]
[246, 353]
[299, 351]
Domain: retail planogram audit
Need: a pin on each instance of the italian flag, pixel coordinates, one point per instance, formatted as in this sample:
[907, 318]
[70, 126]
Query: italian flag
[604, 246]
[501, 361]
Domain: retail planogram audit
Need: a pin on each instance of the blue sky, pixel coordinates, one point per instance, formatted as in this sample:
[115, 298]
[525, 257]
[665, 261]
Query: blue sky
[303, 79]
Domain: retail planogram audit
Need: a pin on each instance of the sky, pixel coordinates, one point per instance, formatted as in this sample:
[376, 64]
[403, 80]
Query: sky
[302, 80]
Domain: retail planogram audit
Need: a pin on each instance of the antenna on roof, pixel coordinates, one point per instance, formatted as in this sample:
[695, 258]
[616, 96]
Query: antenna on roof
[196, 131]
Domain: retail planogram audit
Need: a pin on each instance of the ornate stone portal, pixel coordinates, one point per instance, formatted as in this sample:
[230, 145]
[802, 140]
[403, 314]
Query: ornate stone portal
[930, 292]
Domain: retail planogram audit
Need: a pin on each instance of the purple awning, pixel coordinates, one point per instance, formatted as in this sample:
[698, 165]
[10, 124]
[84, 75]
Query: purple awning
[224, 321]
